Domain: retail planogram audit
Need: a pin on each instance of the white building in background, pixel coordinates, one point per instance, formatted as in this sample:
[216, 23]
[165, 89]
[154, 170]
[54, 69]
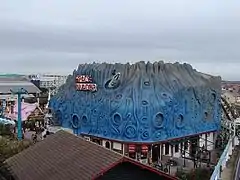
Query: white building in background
[231, 97]
[49, 81]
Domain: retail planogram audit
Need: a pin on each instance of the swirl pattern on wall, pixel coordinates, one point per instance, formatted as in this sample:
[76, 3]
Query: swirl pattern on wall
[145, 103]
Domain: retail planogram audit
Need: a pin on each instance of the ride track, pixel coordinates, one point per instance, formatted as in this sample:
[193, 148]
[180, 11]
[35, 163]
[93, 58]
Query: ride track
[227, 123]
[229, 116]
[230, 130]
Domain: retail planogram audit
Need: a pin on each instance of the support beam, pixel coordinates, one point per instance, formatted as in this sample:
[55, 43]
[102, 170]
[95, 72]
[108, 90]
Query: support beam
[19, 92]
[19, 122]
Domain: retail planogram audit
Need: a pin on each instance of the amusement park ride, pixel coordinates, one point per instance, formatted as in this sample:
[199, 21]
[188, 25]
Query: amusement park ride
[230, 121]
[19, 93]
[227, 138]
[230, 129]
[230, 132]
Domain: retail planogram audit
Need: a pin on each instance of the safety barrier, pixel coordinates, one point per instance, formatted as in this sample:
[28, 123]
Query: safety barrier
[237, 172]
[222, 161]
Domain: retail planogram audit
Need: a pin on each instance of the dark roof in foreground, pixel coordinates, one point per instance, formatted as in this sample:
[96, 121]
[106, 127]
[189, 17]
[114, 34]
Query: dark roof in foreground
[64, 156]
[15, 83]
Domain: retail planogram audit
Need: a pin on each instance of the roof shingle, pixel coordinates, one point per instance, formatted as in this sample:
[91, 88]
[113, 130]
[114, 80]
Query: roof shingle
[62, 156]
[15, 83]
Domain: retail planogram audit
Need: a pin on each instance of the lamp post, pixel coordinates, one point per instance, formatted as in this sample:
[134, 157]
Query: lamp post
[19, 92]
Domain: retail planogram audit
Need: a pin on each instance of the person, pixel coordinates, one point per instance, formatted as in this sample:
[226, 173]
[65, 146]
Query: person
[15, 127]
[24, 126]
[34, 138]
[47, 133]
[149, 160]
[43, 132]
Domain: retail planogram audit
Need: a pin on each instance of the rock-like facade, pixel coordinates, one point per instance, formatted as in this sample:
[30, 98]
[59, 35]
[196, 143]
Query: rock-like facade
[142, 102]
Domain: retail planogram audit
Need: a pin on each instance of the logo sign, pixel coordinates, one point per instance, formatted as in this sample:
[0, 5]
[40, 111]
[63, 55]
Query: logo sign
[85, 83]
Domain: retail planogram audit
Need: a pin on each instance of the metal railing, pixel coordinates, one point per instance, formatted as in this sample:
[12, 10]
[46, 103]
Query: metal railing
[237, 172]
[222, 161]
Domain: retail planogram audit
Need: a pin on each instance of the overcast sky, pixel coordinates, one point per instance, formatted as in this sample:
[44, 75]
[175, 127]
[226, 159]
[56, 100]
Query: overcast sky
[38, 36]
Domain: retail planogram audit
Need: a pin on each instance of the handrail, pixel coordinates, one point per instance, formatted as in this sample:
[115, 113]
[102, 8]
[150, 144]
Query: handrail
[237, 170]
[217, 171]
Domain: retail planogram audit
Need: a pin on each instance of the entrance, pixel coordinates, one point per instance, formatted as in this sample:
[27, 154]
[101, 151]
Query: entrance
[155, 153]
[194, 141]
[107, 145]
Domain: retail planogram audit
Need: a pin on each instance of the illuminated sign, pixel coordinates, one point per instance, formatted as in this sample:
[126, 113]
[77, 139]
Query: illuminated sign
[131, 148]
[85, 83]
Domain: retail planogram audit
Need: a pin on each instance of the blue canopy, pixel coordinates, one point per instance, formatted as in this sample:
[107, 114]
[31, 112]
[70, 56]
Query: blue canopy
[6, 121]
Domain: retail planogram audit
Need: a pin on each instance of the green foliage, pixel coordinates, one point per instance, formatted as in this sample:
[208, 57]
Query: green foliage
[195, 174]
[5, 130]
[8, 148]
[181, 174]
[5, 173]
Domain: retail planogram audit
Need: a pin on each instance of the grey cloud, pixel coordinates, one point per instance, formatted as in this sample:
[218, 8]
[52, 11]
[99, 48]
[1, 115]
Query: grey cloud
[40, 36]
[205, 46]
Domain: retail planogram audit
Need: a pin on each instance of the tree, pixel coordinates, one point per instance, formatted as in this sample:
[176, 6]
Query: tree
[5, 173]
[8, 148]
[5, 130]
[195, 174]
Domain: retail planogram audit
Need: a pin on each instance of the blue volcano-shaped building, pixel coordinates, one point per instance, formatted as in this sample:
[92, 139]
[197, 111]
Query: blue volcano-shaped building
[142, 102]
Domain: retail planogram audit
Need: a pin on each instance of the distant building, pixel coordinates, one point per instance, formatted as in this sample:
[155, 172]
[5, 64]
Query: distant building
[231, 92]
[9, 82]
[14, 82]
[231, 97]
[48, 81]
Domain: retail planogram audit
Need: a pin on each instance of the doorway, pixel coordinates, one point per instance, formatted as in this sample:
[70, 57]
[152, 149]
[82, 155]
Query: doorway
[194, 141]
[155, 152]
[107, 144]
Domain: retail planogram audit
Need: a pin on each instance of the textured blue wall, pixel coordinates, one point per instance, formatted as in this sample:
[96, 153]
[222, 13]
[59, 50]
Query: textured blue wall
[150, 102]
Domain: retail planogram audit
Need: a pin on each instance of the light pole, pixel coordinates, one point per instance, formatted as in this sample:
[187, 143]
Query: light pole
[19, 92]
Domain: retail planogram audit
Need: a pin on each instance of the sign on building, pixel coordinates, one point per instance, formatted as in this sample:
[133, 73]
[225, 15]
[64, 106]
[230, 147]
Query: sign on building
[85, 83]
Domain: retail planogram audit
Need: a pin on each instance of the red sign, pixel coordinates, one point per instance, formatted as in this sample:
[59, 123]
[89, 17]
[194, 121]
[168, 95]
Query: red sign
[86, 87]
[144, 148]
[131, 148]
[83, 79]
[85, 83]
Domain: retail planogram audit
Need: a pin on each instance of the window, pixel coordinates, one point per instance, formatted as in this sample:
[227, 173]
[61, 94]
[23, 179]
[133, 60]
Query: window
[166, 149]
[107, 145]
[185, 145]
[176, 148]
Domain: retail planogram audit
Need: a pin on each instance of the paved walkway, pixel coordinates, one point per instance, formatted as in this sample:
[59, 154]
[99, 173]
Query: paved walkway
[229, 171]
